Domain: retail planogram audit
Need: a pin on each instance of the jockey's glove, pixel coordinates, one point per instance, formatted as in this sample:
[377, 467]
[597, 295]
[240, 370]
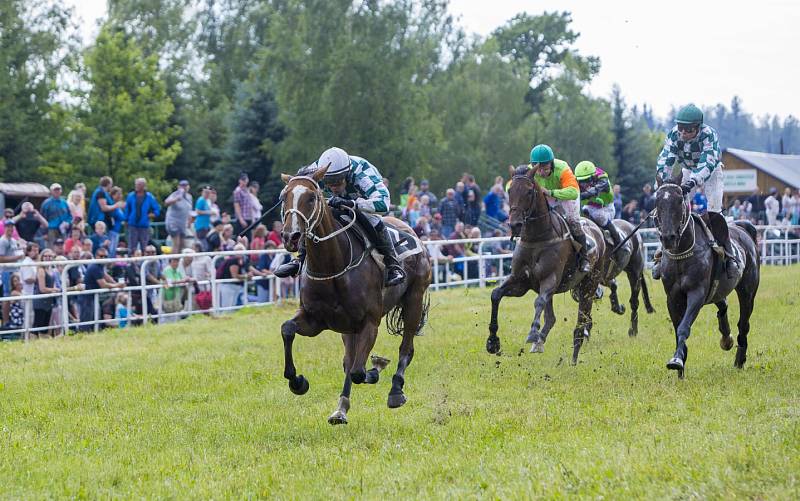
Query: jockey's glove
[688, 186]
[590, 193]
[339, 202]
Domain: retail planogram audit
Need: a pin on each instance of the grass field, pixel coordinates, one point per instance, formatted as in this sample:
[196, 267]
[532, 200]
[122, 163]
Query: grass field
[200, 410]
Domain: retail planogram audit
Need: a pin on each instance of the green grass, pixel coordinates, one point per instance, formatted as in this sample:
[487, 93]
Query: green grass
[200, 410]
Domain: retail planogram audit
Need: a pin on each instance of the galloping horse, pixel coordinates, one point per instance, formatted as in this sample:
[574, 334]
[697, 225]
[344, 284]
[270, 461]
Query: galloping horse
[690, 272]
[342, 290]
[545, 261]
[634, 268]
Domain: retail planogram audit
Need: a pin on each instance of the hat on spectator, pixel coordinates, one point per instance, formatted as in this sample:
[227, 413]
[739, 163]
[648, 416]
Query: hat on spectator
[55, 186]
[183, 182]
[9, 222]
[187, 251]
[243, 175]
[58, 241]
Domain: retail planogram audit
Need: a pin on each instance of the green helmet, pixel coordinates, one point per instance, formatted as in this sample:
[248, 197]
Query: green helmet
[541, 153]
[689, 114]
[584, 170]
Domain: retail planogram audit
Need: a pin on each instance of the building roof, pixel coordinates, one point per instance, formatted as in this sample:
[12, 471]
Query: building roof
[24, 190]
[783, 167]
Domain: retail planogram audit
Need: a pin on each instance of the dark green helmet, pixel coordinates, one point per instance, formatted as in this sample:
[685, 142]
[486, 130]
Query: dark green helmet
[690, 115]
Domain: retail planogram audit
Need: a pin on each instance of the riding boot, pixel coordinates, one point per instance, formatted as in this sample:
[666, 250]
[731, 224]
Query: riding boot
[622, 254]
[292, 268]
[657, 265]
[580, 237]
[719, 228]
[383, 244]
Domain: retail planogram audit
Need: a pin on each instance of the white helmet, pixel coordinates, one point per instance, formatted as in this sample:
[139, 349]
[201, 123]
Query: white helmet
[339, 162]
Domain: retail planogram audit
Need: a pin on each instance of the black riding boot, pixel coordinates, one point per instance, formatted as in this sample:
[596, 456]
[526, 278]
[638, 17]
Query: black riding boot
[621, 256]
[383, 243]
[580, 237]
[719, 227]
[292, 268]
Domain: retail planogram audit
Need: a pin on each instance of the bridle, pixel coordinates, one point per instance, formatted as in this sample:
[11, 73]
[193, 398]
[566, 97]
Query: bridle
[528, 216]
[685, 213]
[316, 215]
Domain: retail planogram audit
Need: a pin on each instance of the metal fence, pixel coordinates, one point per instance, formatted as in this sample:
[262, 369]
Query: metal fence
[485, 262]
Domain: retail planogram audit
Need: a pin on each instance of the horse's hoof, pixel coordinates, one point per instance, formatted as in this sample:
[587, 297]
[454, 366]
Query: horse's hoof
[741, 358]
[726, 342]
[396, 400]
[338, 417]
[373, 376]
[650, 309]
[533, 337]
[493, 345]
[676, 364]
[299, 385]
[538, 347]
[620, 310]
[632, 332]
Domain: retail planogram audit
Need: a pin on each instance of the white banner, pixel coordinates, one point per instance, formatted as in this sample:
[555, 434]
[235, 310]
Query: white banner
[740, 180]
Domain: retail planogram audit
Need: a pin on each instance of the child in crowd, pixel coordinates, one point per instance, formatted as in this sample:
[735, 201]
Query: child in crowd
[121, 310]
[100, 239]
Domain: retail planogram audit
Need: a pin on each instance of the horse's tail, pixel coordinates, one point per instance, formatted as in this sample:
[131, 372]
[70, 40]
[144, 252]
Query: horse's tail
[646, 295]
[750, 229]
[395, 323]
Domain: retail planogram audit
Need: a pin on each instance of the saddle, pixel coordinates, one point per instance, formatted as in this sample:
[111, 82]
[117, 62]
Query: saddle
[718, 272]
[405, 244]
[591, 244]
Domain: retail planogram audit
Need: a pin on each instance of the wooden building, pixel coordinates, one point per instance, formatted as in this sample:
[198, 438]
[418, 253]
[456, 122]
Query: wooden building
[748, 172]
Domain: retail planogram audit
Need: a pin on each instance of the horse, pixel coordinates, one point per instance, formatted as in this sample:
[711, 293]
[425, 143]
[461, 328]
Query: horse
[341, 289]
[544, 261]
[633, 265]
[690, 271]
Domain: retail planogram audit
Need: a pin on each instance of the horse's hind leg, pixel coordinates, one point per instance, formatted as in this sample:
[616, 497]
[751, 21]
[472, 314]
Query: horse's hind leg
[549, 321]
[301, 324]
[615, 306]
[412, 320]
[509, 287]
[726, 341]
[583, 327]
[546, 289]
[634, 280]
[356, 348]
[747, 296]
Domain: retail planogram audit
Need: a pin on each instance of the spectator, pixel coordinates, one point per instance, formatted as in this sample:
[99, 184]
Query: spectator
[212, 199]
[494, 203]
[647, 202]
[86, 247]
[456, 250]
[756, 208]
[99, 238]
[242, 204]
[75, 277]
[259, 240]
[460, 196]
[261, 273]
[102, 205]
[56, 211]
[16, 312]
[699, 202]
[76, 236]
[405, 189]
[8, 213]
[10, 252]
[471, 250]
[425, 191]
[97, 278]
[214, 237]
[140, 207]
[422, 228]
[226, 239]
[200, 268]
[735, 210]
[81, 188]
[174, 279]
[424, 206]
[472, 211]
[152, 273]
[451, 211]
[436, 223]
[786, 202]
[202, 223]
[617, 191]
[232, 268]
[116, 217]
[630, 212]
[121, 312]
[179, 205]
[772, 207]
[274, 236]
[471, 185]
[410, 201]
[413, 214]
[27, 275]
[58, 247]
[255, 206]
[29, 223]
[45, 284]
[77, 206]
[796, 208]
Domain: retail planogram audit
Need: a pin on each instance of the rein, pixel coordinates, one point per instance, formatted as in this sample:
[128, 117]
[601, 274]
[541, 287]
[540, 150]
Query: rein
[311, 223]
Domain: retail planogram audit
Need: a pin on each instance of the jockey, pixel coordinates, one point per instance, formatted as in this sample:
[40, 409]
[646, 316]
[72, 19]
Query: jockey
[355, 183]
[559, 184]
[695, 147]
[597, 202]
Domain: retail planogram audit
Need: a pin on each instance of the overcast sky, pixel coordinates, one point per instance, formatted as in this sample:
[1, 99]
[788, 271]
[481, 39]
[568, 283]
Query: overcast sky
[663, 53]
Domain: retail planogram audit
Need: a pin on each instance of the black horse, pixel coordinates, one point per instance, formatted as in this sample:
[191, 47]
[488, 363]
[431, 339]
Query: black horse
[693, 275]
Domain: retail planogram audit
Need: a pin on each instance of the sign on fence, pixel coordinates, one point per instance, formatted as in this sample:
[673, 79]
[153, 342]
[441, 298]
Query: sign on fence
[740, 180]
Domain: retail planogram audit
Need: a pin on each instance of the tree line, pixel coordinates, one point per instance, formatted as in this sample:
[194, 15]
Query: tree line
[174, 89]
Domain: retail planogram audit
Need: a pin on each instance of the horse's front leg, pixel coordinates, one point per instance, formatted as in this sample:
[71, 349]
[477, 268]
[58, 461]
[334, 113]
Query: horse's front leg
[301, 324]
[616, 307]
[583, 327]
[547, 288]
[694, 302]
[510, 287]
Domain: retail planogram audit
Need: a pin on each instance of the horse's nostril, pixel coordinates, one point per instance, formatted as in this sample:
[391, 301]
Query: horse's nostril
[295, 236]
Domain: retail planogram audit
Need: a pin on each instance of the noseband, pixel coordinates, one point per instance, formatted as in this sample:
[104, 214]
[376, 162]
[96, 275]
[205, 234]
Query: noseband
[316, 215]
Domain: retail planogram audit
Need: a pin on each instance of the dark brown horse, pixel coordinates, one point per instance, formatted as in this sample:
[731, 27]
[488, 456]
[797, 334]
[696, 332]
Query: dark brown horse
[633, 265]
[545, 261]
[691, 274]
[341, 289]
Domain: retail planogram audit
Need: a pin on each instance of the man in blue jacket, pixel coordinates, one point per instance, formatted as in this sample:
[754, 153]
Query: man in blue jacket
[139, 207]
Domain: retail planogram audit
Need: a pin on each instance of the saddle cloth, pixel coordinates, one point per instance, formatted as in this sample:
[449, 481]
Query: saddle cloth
[405, 244]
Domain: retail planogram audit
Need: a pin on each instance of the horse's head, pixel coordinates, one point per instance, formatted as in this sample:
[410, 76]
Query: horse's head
[303, 206]
[522, 198]
[672, 214]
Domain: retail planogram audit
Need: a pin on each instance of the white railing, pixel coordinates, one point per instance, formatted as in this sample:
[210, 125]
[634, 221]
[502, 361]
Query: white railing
[487, 261]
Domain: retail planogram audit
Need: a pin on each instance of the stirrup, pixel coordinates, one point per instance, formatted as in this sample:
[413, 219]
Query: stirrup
[399, 278]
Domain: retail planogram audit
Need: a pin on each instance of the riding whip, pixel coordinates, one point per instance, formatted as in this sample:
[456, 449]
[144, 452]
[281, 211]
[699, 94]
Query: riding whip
[625, 240]
[261, 219]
